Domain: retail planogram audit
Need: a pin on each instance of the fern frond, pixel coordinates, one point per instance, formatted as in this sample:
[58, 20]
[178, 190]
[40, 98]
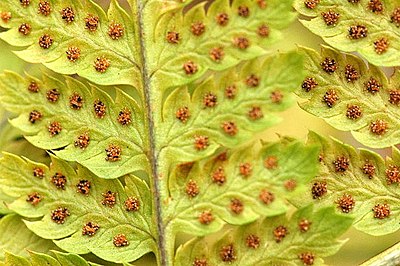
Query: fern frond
[39, 259]
[80, 212]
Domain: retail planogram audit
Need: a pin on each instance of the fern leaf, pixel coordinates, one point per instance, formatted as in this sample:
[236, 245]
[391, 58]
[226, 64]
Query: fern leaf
[39, 259]
[16, 238]
[348, 95]
[82, 39]
[216, 36]
[80, 212]
[360, 184]
[303, 239]
[79, 123]
[228, 108]
[370, 28]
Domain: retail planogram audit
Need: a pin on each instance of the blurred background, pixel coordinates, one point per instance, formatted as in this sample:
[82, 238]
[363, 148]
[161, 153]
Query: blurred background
[296, 123]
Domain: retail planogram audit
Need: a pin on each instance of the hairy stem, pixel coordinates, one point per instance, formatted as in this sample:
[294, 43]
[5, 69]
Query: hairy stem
[389, 257]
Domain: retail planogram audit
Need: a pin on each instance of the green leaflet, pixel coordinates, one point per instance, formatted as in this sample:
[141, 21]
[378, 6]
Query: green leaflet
[380, 46]
[16, 238]
[102, 129]
[93, 44]
[38, 259]
[228, 108]
[367, 105]
[92, 207]
[208, 39]
[366, 189]
[256, 243]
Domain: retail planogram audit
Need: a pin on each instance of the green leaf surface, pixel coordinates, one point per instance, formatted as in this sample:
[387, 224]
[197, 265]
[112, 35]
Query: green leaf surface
[76, 122]
[358, 108]
[17, 239]
[123, 56]
[39, 259]
[111, 216]
[251, 109]
[366, 189]
[376, 18]
[319, 241]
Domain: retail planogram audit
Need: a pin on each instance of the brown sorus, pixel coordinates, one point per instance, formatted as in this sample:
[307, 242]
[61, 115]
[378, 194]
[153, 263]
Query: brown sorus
[25, 28]
[243, 11]
[33, 87]
[25, 3]
[230, 91]
[392, 174]
[346, 203]
[115, 30]
[210, 100]
[200, 142]
[381, 211]
[381, 45]
[109, 198]
[222, 19]
[34, 198]
[132, 204]
[5, 16]
[83, 187]
[341, 164]
[190, 67]
[59, 180]
[82, 141]
[217, 54]
[373, 86]
[73, 53]
[290, 184]
[271, 162]
[38, 172]
[172, 37]
[311, 4]
[395, 16]
[319, 189]
[307, 258]
[330, 98]
[54, 128]
[198, 28]
[330, 17]
[229, 128]
[351, 73]
[91, 22]
[353, 111]
[120, 240]
[236, 206]
[183, 114]
[369, 169]
[125, 117]
[101, 64]
[358, 32]
[53, 95]
[218, 176]
[44, 8]
[99, 108]
[200, 262]
[262, 4]
[329, 65]
[375, 6]
[309, 84]
[276, 97]
[245, 169]
[227, 253]
[304, 225]
[75, 101]
[192, 189]
[266, 196]
[34, 116]
[253, 241]
[378, 127]
[68, 14]
[263, 31]
[90, 229]
[241, 42]
[59, 215]
[255, 113]
[280, 233]
[394, 97]
[252, 81]
[206, 217]
[113, 153]
[45, 41]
